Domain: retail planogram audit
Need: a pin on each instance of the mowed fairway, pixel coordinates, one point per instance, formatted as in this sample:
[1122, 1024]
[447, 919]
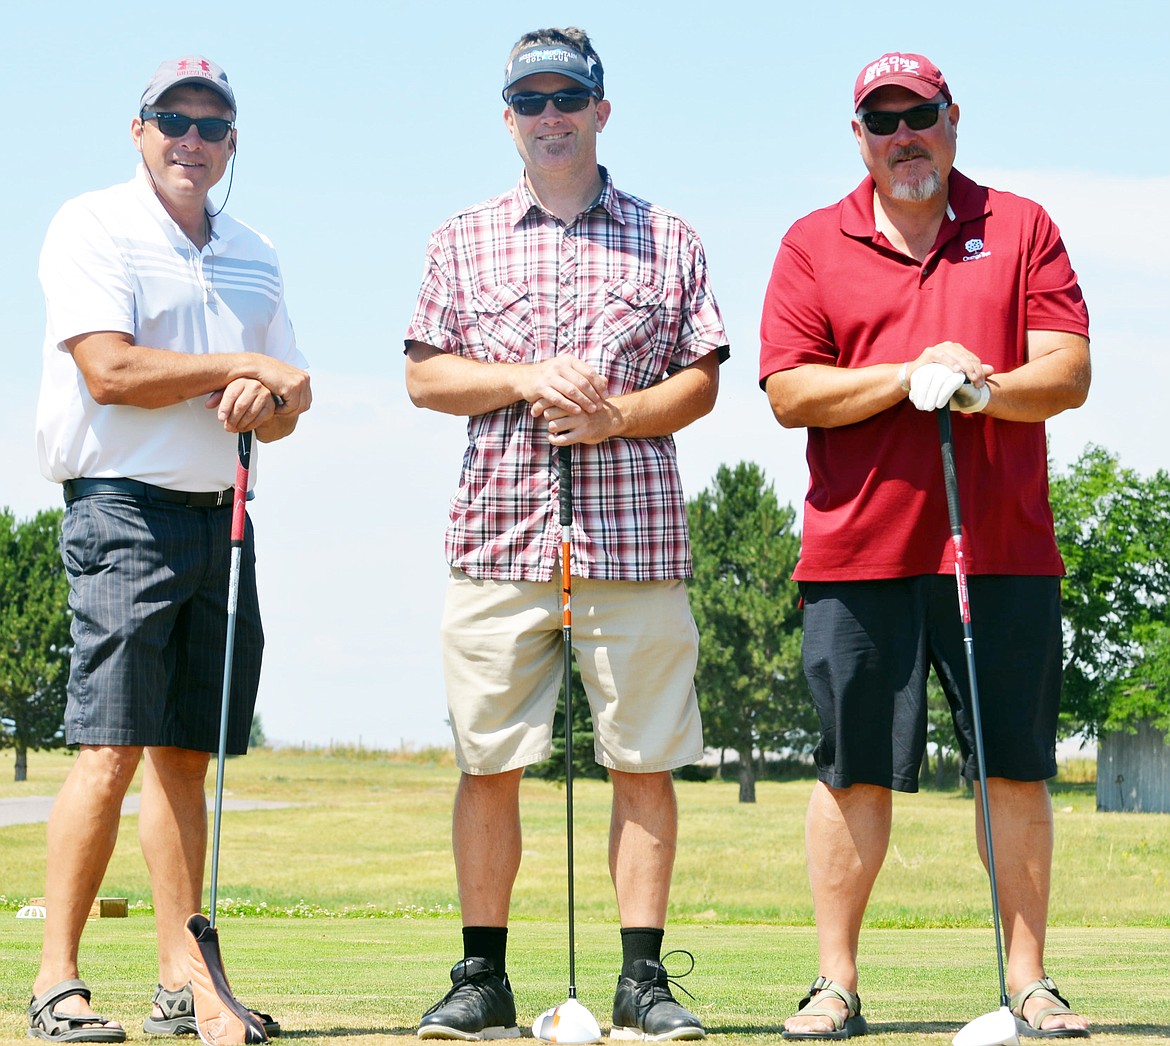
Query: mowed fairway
[348, 920]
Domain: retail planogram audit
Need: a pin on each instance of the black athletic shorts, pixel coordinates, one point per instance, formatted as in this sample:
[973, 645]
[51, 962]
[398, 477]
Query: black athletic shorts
[869, 645]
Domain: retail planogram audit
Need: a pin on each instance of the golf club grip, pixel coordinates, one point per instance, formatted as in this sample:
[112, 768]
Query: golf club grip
[565, 477]
[240, 496]
[950, 476]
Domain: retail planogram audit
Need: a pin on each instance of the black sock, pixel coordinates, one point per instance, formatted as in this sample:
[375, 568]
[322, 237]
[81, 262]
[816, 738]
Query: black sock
[486, 942]
[640, 942]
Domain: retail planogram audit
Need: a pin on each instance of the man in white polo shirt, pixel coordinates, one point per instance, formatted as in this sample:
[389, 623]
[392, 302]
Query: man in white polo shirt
[166, 336]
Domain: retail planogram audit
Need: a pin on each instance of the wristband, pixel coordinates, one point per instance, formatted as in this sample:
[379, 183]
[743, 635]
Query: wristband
[902, 377]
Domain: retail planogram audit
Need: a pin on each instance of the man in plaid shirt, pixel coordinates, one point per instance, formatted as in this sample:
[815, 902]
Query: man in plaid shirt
[565, 312]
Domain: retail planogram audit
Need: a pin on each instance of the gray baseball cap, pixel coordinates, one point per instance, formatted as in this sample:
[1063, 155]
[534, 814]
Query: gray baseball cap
[191, 69]
[554, 58]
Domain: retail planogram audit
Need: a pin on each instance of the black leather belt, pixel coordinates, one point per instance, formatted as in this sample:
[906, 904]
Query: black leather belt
[80, 488]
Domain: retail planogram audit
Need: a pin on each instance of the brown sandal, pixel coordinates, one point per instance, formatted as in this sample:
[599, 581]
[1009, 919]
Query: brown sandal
[843, 1027]
[1045, 988]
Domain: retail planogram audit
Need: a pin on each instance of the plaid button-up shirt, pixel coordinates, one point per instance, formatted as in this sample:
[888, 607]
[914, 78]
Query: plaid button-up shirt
[624, 287]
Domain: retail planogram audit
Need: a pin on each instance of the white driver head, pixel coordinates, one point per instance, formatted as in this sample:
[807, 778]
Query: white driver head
[992, 1029]
[569, 1022]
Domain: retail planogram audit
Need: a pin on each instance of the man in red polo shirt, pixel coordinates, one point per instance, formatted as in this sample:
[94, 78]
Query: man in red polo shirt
[918, 290]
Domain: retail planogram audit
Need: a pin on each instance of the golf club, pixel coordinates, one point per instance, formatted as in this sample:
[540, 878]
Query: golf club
[220, 1018]
[999, 1027]
[570, 1022]
[239, 514]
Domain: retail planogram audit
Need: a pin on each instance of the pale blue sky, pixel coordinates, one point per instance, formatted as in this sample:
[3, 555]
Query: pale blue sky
[363, 126]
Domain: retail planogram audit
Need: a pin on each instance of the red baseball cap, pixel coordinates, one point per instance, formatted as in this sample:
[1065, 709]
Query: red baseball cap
[915, 72]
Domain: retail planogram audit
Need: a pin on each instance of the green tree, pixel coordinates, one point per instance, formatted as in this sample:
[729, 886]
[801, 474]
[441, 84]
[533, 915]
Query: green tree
[751, 687]
[256, 738]
[1113, 527]
[1145, 693]
[943, 771]
[34, 635]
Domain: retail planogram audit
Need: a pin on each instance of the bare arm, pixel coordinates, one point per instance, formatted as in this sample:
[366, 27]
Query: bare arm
[1055, 378]
[819, 396]
[659, 410]
[116, 371]
[454, 384]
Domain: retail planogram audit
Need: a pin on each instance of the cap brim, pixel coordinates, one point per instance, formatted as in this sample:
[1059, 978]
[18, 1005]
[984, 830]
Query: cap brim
[151, 97]
[911, 83]
[558, 70]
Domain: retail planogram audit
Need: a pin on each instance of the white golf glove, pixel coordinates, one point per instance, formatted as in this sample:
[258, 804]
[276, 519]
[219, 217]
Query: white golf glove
[970, 400]
[933, 384]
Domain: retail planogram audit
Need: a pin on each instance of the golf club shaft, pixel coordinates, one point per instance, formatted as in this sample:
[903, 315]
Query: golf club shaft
[951, 482]
[239, 515]
[565, 477]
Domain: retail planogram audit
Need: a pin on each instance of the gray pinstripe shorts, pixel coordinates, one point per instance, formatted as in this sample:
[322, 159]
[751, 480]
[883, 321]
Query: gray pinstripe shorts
[148, 589]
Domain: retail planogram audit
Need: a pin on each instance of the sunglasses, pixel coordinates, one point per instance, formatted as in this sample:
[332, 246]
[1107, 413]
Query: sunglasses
[532, 103]
[917, 119]
[175, 125]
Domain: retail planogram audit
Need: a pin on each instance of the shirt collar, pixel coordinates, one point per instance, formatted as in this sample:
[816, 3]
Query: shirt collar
[153, 204]
[966, 201]
[524, 201]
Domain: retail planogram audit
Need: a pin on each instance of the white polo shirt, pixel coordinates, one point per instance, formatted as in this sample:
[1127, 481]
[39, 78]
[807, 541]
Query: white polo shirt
[114, 260]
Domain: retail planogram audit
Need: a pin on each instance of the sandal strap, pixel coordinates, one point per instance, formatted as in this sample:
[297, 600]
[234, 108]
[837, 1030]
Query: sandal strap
[44, 1022]
[177, 1003]
[55, 994]
[1046, 989]
[851, 1000]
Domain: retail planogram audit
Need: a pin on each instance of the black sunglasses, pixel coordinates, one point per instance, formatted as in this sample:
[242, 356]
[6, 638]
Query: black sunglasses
[175, 125]
[919, 118]
[532, 103]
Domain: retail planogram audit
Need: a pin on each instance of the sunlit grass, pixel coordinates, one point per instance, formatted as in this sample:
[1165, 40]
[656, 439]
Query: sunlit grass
[339, 913]
[369, 832]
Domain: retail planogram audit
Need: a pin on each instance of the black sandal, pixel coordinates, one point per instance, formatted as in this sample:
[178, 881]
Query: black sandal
[44, 1022]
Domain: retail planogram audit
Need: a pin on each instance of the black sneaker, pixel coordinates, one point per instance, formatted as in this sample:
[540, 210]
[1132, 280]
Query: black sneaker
[478, 1006]
[643, 1007]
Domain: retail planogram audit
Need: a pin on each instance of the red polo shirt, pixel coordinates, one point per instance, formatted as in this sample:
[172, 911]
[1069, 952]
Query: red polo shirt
[841, 295]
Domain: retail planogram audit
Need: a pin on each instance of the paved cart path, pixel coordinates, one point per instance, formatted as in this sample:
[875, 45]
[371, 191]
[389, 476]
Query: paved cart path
[35, 808]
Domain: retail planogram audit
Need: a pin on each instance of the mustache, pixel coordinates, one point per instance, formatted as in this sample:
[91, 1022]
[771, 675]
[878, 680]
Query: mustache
[906, 152]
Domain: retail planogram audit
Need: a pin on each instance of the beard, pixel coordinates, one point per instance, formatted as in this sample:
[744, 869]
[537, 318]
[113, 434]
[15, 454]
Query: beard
[914, 189]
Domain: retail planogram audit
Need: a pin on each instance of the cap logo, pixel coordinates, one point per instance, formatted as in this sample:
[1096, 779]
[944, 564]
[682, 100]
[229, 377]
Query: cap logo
[558, 54]
[547, 59]
[186, 67]
[888, 64]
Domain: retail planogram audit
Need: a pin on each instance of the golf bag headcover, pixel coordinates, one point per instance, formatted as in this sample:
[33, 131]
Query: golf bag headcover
[220, 1017]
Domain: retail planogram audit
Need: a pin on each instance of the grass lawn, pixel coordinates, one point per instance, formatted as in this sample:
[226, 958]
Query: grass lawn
[342, 919]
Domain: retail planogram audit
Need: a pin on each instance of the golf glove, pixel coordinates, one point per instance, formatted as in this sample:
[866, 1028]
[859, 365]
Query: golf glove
[933, 384]
[970, 400]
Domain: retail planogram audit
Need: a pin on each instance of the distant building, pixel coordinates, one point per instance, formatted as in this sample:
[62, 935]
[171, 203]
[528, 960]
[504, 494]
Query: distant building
[1133, 771]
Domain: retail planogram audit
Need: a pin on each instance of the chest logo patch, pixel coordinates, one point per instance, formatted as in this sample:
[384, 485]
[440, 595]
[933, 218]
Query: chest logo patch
[974, 249]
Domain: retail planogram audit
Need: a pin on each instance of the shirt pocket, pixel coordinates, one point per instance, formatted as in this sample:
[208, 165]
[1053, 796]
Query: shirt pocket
[506, 322]
[633, 331]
